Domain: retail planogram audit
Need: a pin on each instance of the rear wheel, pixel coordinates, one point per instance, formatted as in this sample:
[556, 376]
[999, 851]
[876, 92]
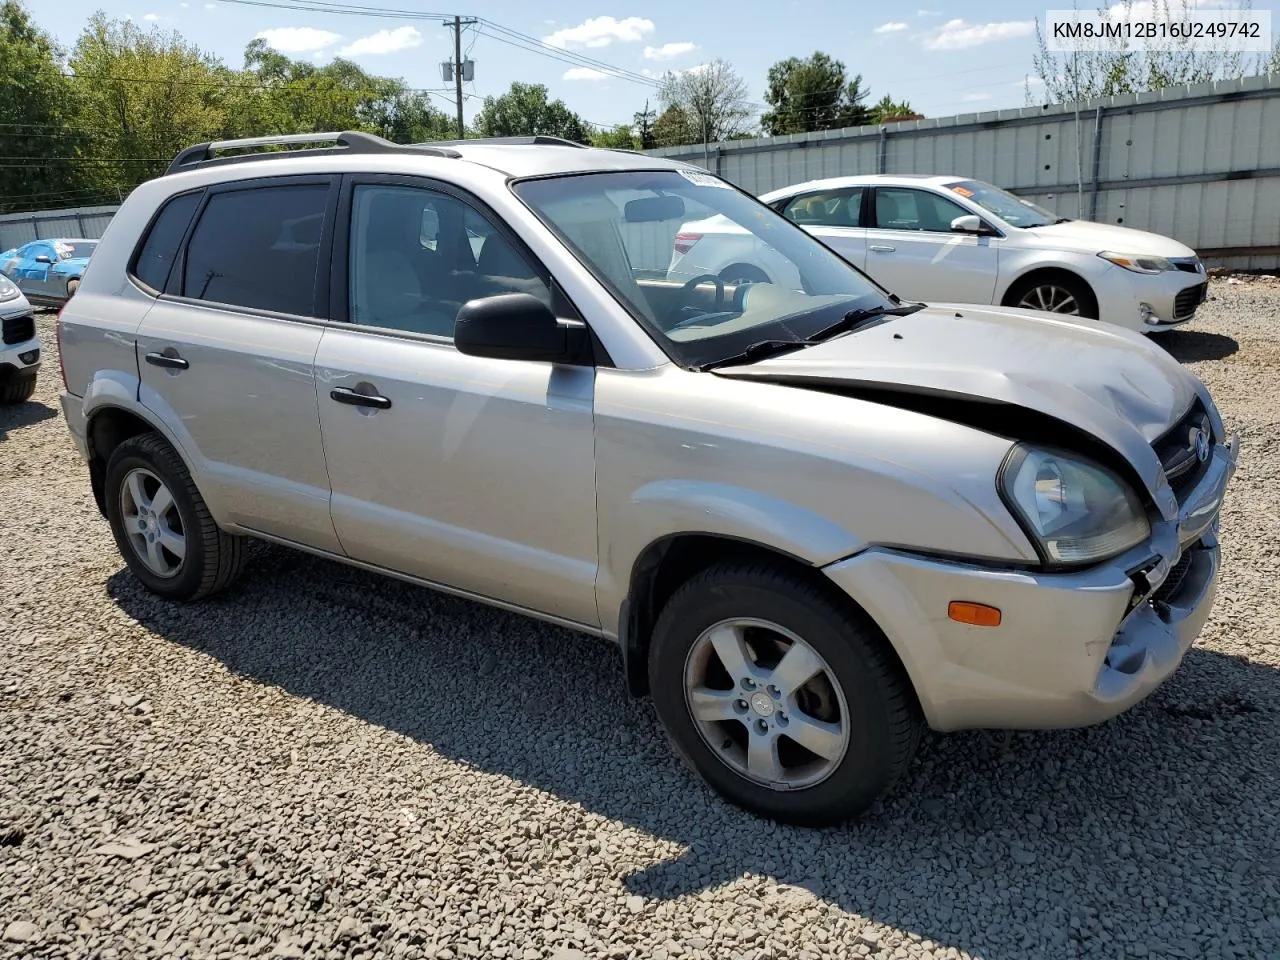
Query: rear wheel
[786, 702]
[162, 525]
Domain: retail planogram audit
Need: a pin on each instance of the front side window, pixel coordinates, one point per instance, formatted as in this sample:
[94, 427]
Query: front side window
[417, 255]
[258, 248]
[830, 208]
[659, 239]
[1012, 210]
[902, 208]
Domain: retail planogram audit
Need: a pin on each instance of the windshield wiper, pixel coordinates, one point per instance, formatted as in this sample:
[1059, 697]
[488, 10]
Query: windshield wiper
[852, 320]
[855, 319]
[756, 351]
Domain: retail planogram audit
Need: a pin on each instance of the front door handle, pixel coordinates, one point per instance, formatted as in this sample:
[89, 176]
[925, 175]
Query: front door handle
[349, 396]
[168, 362]
[882, 248]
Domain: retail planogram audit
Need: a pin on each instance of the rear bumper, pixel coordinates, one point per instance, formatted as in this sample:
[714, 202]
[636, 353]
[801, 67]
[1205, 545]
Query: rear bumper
[1072, 649]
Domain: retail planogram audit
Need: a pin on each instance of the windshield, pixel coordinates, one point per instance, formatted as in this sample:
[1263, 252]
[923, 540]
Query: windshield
[1012, 210]
[707, 269]
[75, 249]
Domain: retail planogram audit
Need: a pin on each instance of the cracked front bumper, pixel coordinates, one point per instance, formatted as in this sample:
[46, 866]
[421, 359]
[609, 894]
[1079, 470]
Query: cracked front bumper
[1072, 649]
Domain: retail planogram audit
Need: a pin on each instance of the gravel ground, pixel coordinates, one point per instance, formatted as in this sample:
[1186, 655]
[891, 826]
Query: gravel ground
[328, 764]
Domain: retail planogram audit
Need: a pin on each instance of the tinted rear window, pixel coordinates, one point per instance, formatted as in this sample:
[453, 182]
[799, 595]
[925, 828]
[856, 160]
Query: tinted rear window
[161, 244]
[258, 248]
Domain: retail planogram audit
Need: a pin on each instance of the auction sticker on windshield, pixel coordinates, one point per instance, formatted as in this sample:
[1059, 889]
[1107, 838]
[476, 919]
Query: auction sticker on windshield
[699, 179]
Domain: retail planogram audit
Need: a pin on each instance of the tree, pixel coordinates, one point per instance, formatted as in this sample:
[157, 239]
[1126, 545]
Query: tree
[1085, 74]
[813, 94]
[644, 121]
[619, 138]
[525, 111]
[38, 119]
[673, 128]
[886, 111]
[712, 98]
[144, 96]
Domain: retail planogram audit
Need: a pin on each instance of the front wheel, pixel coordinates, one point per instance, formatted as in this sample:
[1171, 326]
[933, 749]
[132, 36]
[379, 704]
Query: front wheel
[1056, 294]
[18, 390]
[72, 287]
[784, 701]
[162, 525]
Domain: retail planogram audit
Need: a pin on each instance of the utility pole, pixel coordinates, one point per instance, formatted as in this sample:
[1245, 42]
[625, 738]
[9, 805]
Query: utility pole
[457, 68]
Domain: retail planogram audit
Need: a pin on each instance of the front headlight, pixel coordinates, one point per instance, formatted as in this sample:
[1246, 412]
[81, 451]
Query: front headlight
[8, 290]
[1138, 263]
[1075, 511]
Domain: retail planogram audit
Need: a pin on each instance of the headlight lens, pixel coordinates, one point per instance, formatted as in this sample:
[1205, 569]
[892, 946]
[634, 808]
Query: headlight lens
[8, 290]
[1078, 512]
[1138, 263]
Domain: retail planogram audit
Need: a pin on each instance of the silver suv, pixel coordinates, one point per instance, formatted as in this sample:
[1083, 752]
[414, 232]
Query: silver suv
[814, 518]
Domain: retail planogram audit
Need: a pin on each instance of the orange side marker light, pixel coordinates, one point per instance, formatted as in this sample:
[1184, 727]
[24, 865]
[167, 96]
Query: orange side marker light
[977, 614]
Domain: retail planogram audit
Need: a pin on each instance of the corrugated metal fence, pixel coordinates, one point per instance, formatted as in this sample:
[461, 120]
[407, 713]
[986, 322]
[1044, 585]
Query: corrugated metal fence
[1198, 163]
[79, 222]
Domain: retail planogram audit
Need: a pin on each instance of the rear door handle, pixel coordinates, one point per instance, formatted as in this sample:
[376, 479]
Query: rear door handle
[349, 396]
[882, 248]
[166, 361]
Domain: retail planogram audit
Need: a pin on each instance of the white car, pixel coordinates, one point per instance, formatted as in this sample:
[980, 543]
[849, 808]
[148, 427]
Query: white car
[19, 345]
[942, 239]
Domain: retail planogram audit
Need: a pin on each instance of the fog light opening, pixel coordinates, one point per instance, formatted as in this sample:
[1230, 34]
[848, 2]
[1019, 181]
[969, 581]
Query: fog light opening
[1147, 314]
[974, 614]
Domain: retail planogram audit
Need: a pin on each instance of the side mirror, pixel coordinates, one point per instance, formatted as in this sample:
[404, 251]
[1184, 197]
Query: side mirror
[42, 258]
[970, 223]
[517, 326]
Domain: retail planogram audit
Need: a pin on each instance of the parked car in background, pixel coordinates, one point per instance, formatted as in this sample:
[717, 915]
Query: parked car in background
[19, 345]
[48, 271]
[941, 239]
[814, 519]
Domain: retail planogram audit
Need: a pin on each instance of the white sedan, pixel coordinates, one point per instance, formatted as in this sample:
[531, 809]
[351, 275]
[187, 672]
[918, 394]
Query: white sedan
[942, 239]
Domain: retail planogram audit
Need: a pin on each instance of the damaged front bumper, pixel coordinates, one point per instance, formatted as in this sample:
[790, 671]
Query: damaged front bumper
[1072, 649]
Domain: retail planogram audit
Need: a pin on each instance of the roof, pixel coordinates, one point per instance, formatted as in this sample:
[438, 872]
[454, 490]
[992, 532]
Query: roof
[512, 156]
[883, 179]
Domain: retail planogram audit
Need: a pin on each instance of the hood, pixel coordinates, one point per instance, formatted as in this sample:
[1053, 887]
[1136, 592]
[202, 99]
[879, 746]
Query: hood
[1114, 385]
[1092, 237]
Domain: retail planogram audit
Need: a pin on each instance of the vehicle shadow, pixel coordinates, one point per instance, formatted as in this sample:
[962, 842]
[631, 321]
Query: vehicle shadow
[1191, 346]
[1050, 825]
[19, 415]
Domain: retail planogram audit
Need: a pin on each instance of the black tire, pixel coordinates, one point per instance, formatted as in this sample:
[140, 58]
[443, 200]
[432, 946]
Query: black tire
[883, 716]
[18, 390]
[213, 558]
[1073, 285]
[72, 287]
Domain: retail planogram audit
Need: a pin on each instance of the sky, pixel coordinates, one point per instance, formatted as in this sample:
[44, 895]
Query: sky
[944, 56]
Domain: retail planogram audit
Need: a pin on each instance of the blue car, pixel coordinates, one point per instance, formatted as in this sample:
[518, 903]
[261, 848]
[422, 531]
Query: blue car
[48, 271]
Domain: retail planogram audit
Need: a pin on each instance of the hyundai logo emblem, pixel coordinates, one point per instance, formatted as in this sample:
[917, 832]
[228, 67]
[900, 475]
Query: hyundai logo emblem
[1199, 443]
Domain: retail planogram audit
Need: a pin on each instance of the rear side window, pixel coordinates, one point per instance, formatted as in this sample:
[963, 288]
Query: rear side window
[161, 243]
[258, 248]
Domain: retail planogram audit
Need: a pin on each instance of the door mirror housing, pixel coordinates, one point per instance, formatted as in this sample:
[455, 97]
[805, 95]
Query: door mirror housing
[43, 258]
[971, 223]
[517, 326]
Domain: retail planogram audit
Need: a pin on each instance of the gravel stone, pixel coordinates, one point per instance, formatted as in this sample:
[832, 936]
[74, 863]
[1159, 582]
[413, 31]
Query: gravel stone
[322, 747]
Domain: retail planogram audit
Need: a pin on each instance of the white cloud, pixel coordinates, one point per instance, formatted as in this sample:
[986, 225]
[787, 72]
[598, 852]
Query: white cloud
[600, 32]
[152, 16]
[975, 97]
[928, 13]
[584, 73]
[184, 5]
[297, 39]
[958, 35]
[893, 26]
[384, 41]
[669, 51]
[211, 6]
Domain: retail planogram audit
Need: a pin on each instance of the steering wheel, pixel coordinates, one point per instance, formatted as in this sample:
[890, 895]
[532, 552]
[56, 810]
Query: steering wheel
[687, 288]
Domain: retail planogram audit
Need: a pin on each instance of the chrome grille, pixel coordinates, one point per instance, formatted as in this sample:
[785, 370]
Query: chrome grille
[1180, 449]
[18, 329]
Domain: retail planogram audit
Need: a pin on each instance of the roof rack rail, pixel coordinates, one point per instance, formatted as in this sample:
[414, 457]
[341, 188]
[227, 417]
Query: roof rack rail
[347, 141]
[540, 139]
